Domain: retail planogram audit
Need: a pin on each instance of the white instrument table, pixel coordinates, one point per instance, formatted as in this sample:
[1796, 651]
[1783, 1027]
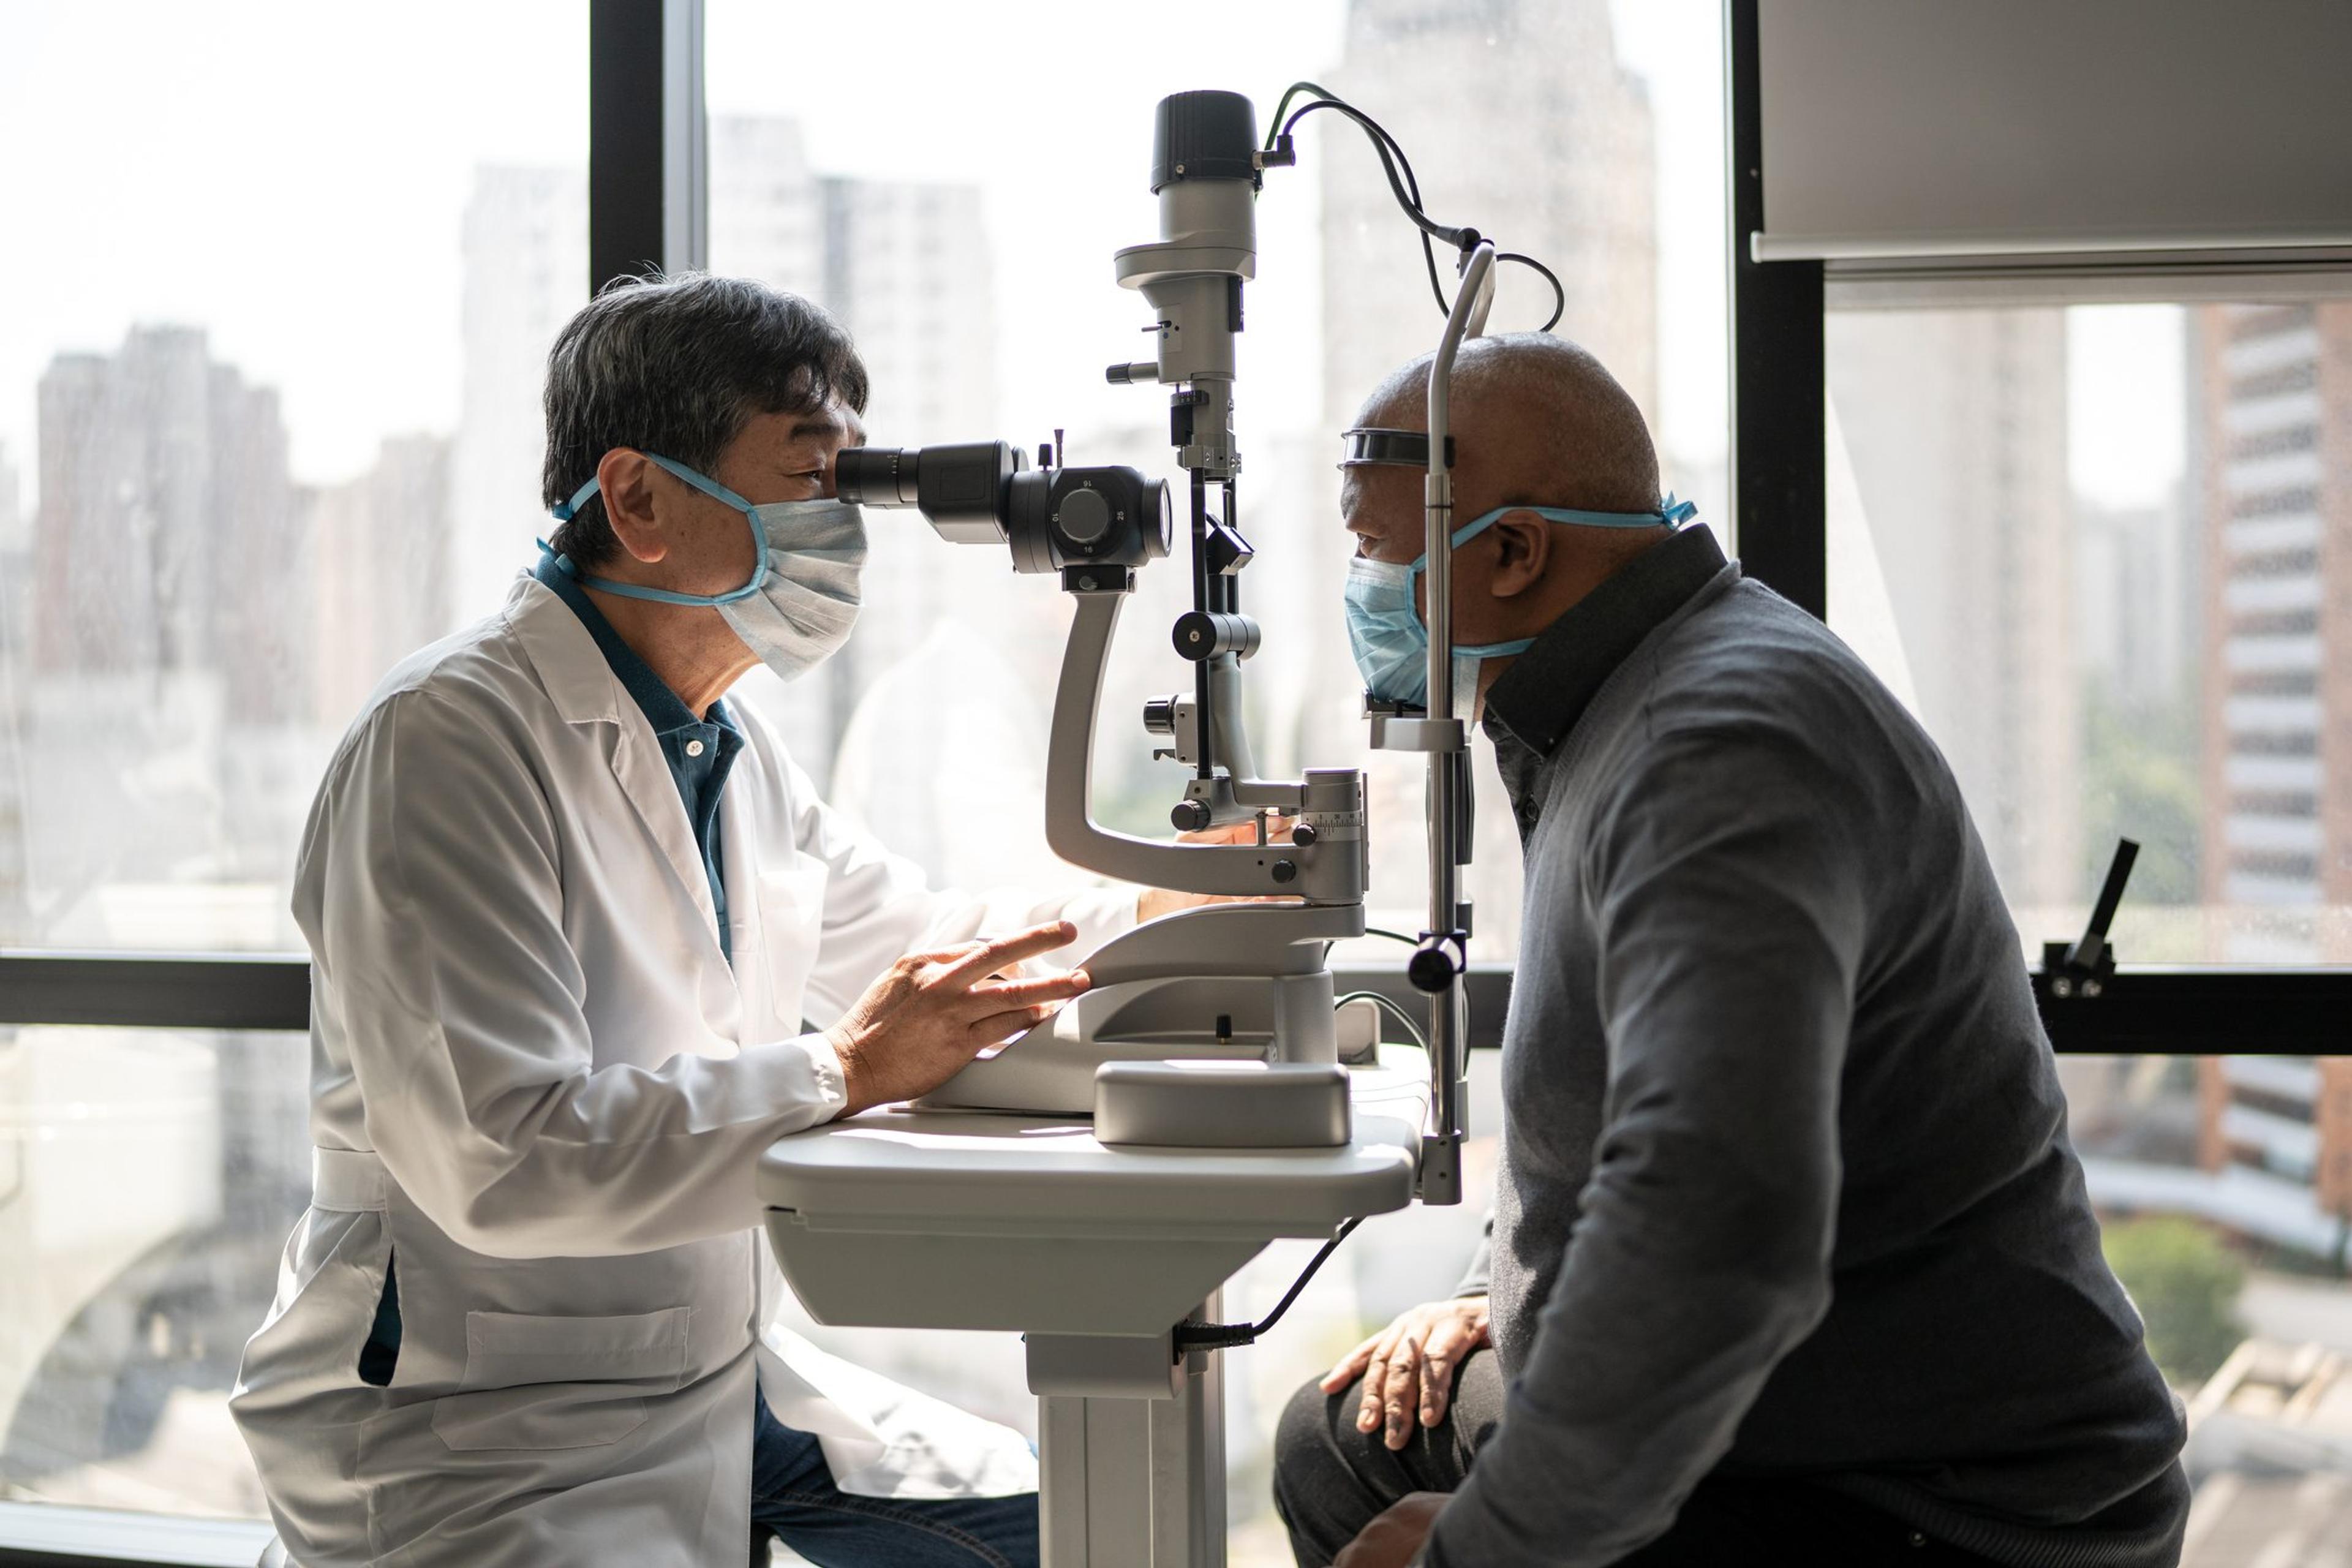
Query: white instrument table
[964, 1220]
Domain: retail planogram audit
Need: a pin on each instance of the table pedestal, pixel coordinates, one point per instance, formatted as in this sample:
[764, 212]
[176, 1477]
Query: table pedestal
[1136, 1483]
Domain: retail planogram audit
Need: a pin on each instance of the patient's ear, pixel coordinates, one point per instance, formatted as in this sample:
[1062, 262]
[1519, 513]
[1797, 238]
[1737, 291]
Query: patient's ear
[1523, 543]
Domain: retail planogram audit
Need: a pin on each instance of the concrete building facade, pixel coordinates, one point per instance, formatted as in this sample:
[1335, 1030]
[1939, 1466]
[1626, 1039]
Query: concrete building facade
[1955, 425]
[2275, 396]
[1553, 155]
[2273, 399]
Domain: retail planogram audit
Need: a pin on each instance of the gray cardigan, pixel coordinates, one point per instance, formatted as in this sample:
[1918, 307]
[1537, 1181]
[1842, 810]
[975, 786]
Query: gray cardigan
[1785, 1188]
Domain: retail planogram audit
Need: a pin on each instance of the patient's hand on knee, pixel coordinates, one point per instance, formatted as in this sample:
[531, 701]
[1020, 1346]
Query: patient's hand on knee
[1408, 1367]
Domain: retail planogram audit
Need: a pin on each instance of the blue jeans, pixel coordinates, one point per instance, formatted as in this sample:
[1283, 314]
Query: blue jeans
[794, 1499]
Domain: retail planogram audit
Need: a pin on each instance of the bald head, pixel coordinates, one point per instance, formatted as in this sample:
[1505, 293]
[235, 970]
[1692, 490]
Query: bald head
[1537, 421]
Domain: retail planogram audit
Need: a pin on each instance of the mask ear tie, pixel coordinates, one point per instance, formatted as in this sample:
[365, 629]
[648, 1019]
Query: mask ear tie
[563, 562]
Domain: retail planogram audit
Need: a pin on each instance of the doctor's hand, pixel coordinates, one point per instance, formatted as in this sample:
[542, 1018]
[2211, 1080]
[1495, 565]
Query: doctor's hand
[1392, 1538]
[1408, 1367]
[932, 1012]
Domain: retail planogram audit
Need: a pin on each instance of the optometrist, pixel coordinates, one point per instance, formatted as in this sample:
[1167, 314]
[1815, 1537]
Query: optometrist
[568, 911]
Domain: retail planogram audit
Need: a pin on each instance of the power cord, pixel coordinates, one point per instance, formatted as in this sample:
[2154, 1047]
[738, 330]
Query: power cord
[1280, 151]
[1191, 1336]
[1388, 1004]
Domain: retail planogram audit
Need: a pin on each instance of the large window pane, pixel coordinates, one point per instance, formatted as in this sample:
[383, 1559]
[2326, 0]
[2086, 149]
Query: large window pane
[962, 219]
[282, 280]
[964, 230]
[148, 1179]
[2098, 550]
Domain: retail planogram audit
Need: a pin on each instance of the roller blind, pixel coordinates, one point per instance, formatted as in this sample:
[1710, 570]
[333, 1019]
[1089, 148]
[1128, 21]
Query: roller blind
[2024, 133]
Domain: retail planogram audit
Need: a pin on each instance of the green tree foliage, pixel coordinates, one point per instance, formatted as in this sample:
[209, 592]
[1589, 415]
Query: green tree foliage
[2185, 1284]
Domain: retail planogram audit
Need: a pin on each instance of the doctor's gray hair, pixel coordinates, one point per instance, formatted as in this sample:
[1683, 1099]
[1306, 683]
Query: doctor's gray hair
[677, 366]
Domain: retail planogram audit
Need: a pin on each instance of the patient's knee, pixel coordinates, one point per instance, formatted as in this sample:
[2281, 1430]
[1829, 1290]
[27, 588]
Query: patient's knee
[1307, 1438]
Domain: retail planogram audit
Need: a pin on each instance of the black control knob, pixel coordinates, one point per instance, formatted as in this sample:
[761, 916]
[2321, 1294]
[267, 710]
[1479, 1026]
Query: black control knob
[1286, 871]
[1303, 835]
[1159, 716]
[1431, 969]
[1084, 517]
[1189, 815]
[1204, 634]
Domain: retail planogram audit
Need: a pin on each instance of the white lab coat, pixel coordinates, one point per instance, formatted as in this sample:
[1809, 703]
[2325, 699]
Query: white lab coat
[537, 1081]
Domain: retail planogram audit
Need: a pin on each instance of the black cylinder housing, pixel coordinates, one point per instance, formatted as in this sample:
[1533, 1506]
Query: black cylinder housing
[1204, 135]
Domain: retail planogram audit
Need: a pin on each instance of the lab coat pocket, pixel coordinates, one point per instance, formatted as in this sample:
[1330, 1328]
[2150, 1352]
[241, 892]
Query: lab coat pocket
[536, 1381]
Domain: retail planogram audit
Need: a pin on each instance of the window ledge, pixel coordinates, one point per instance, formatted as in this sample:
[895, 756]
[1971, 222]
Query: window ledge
[46, 1532]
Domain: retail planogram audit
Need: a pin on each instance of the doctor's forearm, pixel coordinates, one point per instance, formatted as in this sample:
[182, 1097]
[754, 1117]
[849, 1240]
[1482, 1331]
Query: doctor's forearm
[618, 1160]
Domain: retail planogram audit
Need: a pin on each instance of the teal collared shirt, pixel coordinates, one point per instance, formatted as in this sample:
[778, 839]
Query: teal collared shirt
[699, 752]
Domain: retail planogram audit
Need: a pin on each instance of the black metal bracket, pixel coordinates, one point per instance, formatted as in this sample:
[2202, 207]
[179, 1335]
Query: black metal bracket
[2086, 966]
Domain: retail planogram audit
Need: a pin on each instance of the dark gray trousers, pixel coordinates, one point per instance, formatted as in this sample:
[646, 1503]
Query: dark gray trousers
[1329, 1479]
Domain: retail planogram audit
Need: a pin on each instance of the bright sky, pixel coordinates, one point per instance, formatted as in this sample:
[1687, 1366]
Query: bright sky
[290, 176]
[2126, 392]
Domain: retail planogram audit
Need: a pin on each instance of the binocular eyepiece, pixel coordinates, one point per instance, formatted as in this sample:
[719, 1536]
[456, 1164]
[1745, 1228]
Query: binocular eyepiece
[984, 492]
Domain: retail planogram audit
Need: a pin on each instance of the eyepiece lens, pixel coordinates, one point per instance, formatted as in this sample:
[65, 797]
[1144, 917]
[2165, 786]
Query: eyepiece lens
[876, 476]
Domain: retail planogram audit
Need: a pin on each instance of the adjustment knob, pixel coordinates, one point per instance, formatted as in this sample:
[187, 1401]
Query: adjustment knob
[1431, 969]
[1204, 634]
[1159, 716]
[1084, 517]
[1286, 871]
[1303, 835]
[1189, 815]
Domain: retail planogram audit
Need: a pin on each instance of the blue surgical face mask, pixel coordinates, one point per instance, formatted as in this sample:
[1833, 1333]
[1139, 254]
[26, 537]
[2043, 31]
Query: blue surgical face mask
[1391, 642]
[802, 598]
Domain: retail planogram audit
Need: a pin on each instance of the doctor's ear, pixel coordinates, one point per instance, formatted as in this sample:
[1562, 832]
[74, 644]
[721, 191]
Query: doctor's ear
[1523, 545]
[624, 481]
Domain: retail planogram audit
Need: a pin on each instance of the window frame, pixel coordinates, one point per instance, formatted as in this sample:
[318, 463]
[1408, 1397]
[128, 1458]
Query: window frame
[1780, 487]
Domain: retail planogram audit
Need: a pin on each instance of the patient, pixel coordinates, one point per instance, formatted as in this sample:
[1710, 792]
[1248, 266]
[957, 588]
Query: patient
[1790, 1258]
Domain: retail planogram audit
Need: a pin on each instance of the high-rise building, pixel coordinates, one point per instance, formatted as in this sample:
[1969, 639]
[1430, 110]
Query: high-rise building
[905, 268]
[2273, 395]
[172, 577]
[1955, 422]
[383, 550]
[165, 512]
[767, 208]
[2274, 388]
[525, 239]
[16, 650]
[2134, 607]
[1553, 155]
